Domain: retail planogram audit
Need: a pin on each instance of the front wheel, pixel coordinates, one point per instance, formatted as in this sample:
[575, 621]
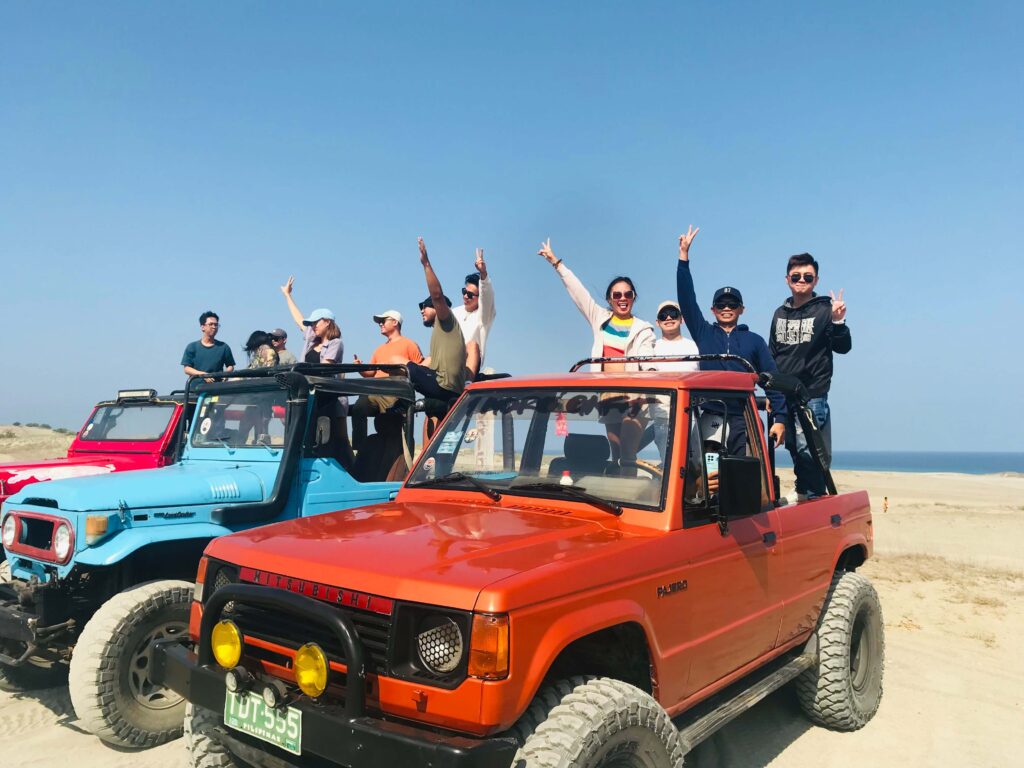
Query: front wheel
[596, 723]
[844, 689]
[109, 681]
[204, 752]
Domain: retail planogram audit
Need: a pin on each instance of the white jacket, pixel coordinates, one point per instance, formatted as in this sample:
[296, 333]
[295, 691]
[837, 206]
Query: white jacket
[640, 342]
[476, 326]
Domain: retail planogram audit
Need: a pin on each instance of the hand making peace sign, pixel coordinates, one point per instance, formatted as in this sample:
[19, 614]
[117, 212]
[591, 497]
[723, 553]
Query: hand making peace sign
[838, 306]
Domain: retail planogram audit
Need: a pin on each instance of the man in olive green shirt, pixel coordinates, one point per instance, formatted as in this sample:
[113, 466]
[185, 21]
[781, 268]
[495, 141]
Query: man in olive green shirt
[444, 375]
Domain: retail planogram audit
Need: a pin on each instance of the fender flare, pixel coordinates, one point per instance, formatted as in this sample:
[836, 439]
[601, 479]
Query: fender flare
[124, 543]
[849, 541]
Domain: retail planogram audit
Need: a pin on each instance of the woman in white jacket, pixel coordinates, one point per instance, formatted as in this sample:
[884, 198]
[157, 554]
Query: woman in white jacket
[617, 333]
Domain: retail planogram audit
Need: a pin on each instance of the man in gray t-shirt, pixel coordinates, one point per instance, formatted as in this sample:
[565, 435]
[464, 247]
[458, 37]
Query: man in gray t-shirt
[278, 339]
[207, 355]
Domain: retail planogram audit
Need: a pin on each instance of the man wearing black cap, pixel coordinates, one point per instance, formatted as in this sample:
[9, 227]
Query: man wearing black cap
[444, 376]
[278, 339]
[726, 337]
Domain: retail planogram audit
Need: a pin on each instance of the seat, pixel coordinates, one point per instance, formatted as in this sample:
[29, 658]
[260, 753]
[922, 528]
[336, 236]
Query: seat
[584, 455]
[380, 451]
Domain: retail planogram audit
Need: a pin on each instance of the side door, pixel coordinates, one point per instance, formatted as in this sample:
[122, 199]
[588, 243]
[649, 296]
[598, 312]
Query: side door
[734, 604]
[325, 481]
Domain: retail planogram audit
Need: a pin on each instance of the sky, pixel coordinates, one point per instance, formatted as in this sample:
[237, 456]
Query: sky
[161, 159]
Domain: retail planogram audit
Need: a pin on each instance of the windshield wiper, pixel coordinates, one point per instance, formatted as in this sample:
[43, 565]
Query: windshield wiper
[572, 490]
[264, 440]
[225, 442]
[459, 477]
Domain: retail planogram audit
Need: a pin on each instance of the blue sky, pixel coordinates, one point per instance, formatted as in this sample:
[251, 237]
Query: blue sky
[157, 160]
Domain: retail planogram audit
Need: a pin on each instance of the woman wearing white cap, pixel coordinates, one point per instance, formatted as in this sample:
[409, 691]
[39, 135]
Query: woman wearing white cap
[320, 331]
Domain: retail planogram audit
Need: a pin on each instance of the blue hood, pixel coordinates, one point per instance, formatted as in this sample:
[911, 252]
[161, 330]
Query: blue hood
[178, 485]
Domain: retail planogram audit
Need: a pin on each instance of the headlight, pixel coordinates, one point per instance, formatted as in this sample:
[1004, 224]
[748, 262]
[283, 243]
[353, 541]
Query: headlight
[62, 542]
[226, 641]
[311, 670]
[440, 644]
[10, 530]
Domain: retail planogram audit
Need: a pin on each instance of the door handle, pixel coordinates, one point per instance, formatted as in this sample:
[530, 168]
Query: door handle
[836, 521]
[769, 538]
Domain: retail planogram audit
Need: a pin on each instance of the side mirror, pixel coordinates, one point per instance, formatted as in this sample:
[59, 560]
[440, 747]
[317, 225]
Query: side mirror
[739, 487]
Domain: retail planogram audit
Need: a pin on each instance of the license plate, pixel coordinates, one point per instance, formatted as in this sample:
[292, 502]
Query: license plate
[246, 712]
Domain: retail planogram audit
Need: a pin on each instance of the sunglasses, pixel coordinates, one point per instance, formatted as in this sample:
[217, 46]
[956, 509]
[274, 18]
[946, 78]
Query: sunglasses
[469, 294]
[808, 277]
[720, 305]
[278, 338]
[668, 314]
[616, 295]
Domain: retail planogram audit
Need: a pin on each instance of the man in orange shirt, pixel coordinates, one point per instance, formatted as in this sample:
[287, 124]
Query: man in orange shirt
[396, 350]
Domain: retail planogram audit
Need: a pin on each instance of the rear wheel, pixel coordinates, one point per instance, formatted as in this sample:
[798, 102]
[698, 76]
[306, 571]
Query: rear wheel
[844, 689]
[111, 691]
[596, 723]
[32, 675]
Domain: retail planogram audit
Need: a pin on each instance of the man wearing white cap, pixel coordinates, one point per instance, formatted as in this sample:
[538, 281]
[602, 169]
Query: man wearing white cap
[396, 350]
[672, 341]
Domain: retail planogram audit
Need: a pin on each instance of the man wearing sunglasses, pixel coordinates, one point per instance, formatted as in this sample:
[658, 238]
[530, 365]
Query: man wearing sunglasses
[672, 342]
[805, 331]
[278, 340]
[726, 336]
[476, 315]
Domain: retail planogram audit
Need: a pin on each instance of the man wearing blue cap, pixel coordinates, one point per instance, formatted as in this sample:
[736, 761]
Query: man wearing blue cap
[726, 337]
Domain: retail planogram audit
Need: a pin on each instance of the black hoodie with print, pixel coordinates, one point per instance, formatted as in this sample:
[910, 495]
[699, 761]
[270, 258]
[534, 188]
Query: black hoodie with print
[802, 340]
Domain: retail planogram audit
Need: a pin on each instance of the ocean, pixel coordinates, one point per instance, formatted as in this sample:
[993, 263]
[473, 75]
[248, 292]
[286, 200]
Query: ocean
[921, 461]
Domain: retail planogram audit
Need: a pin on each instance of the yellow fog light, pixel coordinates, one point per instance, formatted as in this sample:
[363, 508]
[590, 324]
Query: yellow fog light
[226, 640]
[95, 528]
[311, 670]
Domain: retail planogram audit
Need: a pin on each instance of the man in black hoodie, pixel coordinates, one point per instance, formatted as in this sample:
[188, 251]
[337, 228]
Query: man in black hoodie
[805, 331]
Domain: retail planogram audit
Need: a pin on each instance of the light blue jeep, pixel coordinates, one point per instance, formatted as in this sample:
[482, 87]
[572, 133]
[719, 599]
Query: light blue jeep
[101, 566]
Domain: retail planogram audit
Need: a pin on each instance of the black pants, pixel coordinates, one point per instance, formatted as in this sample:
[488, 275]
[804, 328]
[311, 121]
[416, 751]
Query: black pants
[424, 381]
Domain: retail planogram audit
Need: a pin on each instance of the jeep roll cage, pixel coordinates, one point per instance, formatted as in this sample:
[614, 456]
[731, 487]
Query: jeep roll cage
[300, 380]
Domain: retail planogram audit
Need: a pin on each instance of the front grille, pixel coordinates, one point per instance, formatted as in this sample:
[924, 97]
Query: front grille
[37, 533]
[373, 629]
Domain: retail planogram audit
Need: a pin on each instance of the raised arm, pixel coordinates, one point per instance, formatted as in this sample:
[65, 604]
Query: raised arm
[692, 316]
[444, 312]
[487, 311]
[297, 315]
[842, 342]
[580, 296]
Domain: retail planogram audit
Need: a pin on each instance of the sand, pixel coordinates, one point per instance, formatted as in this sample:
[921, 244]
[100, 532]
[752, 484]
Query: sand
[949, 569]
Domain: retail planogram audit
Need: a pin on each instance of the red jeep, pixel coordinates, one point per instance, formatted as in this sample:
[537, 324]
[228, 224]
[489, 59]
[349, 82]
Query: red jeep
[135, 431]
[586, 569]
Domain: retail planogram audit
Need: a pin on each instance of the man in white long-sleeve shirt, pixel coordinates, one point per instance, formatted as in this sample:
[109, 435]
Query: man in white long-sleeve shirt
[476, 315]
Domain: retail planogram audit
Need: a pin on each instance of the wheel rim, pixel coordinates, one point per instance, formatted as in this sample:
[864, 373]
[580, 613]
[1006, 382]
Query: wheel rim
[143, 690]
[861, 651]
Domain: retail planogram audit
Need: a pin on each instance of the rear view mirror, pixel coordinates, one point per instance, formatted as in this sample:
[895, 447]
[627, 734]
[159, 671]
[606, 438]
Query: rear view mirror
[739, 486]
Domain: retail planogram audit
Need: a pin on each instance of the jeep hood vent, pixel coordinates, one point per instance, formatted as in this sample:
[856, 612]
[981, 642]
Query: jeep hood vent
[36, 501]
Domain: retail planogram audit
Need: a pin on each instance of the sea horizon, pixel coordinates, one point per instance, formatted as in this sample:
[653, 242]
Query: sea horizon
[965, 462]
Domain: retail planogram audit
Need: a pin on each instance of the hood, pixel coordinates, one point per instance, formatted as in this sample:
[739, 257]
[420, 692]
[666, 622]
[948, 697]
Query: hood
[173, 486]
[14, 476]
[427, 552]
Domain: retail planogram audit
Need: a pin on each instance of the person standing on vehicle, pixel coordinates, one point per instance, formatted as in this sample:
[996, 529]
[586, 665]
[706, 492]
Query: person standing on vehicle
[207, 355]
[477, 313]
[278, 340]
[260, 351]
[806, 330]
[320, 332]
[444, 375]
[617, 333]
[672, 342]
[726, 336]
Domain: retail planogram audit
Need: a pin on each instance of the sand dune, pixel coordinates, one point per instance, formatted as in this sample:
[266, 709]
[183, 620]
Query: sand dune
[950, 574]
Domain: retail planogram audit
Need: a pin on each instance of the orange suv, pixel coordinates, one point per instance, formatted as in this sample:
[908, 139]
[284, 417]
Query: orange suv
[581, 569]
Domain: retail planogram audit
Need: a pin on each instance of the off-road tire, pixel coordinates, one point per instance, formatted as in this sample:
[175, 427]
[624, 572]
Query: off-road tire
[204, 752]
[109, 680]
[596, 722]
[33, 677]
[5, 571]
[845, 687]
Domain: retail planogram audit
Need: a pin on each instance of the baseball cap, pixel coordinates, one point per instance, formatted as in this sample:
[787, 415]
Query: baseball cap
[318, 314]
[666, 304]
[728, 293]
[279, 333]
[429, 302]
[394, 314]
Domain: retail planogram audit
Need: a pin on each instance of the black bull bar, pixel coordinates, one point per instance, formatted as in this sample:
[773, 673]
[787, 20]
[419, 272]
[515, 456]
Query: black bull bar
[352, 739]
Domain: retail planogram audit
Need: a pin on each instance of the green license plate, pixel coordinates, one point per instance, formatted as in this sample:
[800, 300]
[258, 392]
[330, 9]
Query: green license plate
[246, 712]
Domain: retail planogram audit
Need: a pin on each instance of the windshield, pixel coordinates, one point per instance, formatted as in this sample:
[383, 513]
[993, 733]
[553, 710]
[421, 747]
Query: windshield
[611, 444]
[139, 421]
[240, 420]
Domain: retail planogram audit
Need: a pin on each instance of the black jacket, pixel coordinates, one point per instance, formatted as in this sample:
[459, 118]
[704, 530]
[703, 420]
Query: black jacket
[803, 339]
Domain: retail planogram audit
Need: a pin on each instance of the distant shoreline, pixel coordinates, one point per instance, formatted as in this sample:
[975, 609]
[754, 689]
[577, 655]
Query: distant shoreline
[918, 462]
